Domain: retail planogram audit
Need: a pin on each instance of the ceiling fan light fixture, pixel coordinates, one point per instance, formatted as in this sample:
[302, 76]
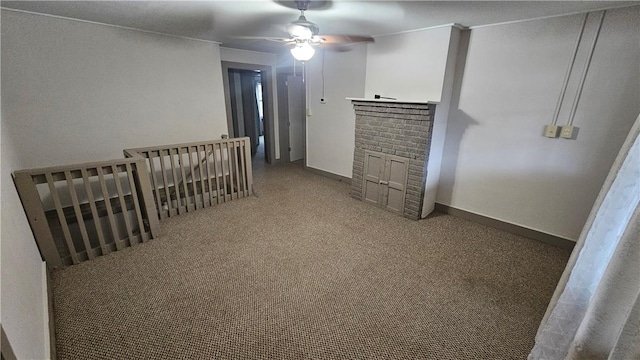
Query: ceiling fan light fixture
[302, 28]
[303, 51]
[300, 32]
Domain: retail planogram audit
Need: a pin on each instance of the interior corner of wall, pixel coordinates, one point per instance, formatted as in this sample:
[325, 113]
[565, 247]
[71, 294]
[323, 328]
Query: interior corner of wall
[45, 310]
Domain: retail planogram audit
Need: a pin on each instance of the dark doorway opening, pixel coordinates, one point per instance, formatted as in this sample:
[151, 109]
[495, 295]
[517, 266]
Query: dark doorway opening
[246, 105]
[249, 102]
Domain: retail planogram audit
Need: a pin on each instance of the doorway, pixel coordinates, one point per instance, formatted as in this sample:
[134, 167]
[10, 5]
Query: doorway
[247, 113]
[292, 115]
[249, 104]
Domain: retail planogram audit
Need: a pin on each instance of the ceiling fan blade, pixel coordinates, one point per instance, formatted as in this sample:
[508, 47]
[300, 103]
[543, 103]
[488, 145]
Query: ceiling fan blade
[268, 38]
[344, 39]
[306, 5]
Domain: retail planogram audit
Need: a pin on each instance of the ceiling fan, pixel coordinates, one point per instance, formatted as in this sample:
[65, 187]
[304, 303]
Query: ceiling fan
[304, 35]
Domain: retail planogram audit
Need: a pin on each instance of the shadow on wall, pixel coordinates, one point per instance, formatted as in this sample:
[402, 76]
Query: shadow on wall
[457, 125]
[461, 122]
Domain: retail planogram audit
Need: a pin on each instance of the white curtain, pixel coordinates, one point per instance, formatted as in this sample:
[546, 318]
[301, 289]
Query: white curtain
[595, 310]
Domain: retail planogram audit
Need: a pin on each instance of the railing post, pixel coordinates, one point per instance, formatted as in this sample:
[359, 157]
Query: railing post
[37, 218]
[247, 149]
[141, 176]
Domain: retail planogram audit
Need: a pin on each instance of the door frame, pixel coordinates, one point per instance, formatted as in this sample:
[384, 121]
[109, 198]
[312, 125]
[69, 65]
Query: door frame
[283, 111]
[283, 116]
[267, 103]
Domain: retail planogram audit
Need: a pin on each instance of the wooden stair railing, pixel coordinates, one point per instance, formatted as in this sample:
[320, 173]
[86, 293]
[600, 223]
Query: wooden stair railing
[78, 212]
[191, 176]
[82, 211]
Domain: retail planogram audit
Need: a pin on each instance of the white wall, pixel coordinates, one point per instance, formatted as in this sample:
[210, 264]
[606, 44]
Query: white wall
[440, 120]
[259, 58]
[496, 161]
[74, 91]
[331, 126]
[412, 66]
[23, 311]
[408, 66]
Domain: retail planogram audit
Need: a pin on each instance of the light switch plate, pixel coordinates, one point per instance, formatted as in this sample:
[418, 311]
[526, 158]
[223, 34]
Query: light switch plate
[551, 131]
[567, 132]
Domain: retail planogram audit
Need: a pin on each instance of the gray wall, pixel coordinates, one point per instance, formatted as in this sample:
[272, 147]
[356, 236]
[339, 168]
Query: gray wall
[75, 92]
[496, 161]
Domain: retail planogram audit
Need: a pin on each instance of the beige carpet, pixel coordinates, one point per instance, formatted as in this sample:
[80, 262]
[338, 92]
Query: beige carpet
[302, 271]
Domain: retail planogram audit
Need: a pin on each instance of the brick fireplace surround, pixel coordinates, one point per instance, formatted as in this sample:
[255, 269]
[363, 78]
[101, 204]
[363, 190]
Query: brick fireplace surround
[396, 128]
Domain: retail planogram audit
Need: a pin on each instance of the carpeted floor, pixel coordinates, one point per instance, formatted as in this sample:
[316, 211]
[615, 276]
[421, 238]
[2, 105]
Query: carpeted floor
[302, 271]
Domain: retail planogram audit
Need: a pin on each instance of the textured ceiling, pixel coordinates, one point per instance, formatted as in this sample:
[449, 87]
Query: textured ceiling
[226, 21]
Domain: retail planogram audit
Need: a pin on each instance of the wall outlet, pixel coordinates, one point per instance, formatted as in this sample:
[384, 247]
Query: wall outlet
[568, 132]
[551, 131]
[323, 101]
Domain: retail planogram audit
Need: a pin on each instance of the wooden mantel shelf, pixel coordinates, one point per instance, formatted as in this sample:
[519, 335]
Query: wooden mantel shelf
[394, 101]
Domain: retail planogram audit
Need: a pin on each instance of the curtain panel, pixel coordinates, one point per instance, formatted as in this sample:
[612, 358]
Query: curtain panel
[595, 310]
